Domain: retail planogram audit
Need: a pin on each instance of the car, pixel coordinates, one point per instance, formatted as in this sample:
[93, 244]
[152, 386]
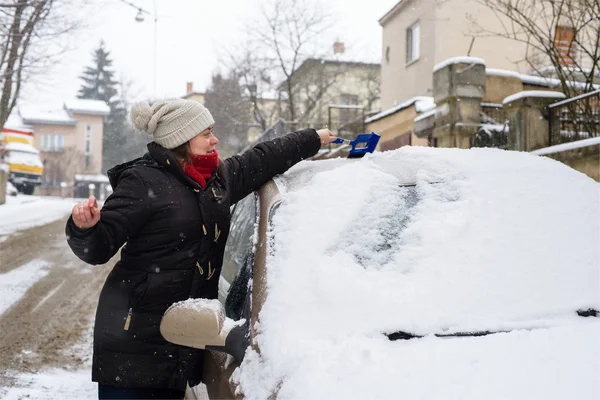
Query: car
[11, 190]
[413, 273]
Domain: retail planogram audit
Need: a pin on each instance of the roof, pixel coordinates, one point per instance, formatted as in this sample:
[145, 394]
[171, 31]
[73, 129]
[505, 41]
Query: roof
[33, 115]
[191, 94]
[422, 104]
[15, 123]
[392, 11]
[324, 61]
[87, 106]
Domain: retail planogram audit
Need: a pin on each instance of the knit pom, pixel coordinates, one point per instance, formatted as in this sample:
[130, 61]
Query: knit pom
[141, 113]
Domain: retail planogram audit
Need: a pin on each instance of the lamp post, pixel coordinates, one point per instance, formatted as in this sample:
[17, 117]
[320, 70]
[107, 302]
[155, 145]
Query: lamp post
[139, 17]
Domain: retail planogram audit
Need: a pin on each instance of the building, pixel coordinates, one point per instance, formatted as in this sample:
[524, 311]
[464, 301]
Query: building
[332, 93]
[421, 37]
[70, 143]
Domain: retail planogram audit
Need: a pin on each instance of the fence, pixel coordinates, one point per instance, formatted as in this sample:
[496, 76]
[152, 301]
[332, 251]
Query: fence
[495, 112]
[575, 119]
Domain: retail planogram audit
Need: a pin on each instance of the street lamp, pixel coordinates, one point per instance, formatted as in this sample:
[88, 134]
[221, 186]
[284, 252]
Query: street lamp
[139, 17]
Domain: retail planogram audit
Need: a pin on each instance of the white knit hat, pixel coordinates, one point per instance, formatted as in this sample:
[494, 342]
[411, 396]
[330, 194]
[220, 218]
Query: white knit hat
[171, 122]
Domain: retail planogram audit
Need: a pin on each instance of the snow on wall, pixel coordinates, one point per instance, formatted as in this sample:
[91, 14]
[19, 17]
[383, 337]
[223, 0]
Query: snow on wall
[534, 93]
[567, 146]
[458, 60]
[422, 104]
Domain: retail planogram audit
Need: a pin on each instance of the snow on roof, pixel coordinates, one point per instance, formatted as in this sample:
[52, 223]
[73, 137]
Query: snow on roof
[15, 122]
[87, 106]
[91, 177]
[534, 93]
[422, 104]
[458, 60]
[485, 240]
[33, 115]
[551, 82]
[535, 80]
[502, 72]
[578, 144]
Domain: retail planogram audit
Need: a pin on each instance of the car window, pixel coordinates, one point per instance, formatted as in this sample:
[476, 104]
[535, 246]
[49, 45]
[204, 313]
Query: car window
[239, 244]
[237, 303]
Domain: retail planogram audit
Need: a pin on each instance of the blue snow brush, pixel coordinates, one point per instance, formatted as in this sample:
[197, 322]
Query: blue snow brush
[367, 142]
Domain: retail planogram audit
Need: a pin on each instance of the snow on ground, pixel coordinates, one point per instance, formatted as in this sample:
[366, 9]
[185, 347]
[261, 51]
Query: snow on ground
[54, 384]
[57, 383]
[23, 212]
[487, 240]
[16, 282]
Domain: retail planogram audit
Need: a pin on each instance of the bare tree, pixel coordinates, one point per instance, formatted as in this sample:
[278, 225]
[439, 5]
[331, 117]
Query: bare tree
[564, 34]
[60, 166]
[29, 30]
[287, 34]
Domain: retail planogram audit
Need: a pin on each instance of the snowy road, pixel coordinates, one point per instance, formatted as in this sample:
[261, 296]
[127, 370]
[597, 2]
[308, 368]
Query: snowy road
[46, 310]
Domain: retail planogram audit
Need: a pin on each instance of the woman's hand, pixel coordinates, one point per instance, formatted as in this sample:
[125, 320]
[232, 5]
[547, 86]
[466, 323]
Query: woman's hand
[86, 214]
[326, 136]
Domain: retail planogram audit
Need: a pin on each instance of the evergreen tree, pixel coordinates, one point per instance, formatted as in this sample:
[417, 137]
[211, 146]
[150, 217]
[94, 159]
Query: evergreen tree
[231, 111]
[119, 142]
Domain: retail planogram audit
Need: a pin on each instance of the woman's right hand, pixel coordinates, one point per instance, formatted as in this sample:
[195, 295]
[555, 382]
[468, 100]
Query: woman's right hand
[86, 214]
[326, 136]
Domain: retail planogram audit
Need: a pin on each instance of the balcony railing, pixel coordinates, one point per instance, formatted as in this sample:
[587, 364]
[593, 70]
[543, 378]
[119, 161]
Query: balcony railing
[575, 119]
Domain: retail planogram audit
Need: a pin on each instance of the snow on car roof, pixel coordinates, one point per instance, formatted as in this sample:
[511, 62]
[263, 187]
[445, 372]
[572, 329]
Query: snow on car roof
[486, 240]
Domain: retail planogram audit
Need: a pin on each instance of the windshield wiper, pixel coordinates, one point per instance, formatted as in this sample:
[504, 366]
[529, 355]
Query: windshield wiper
[400, 335]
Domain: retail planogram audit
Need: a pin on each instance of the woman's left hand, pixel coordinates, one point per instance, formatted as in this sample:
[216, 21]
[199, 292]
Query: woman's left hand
[326, 136]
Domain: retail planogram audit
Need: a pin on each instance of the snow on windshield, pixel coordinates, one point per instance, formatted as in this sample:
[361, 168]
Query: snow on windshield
[485, 240]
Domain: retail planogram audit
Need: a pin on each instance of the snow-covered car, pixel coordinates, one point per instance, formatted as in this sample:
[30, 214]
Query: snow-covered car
[418, 273]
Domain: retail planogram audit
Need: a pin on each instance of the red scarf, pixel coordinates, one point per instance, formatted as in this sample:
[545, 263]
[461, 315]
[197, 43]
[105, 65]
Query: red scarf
[202, 167]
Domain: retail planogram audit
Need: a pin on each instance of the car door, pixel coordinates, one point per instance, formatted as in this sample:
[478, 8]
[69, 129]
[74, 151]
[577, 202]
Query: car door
[234, 292]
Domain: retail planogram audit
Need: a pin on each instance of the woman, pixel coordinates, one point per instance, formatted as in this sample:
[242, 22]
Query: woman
[171, 208]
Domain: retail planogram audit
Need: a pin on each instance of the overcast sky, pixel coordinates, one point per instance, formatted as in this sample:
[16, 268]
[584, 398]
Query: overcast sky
[191, 34]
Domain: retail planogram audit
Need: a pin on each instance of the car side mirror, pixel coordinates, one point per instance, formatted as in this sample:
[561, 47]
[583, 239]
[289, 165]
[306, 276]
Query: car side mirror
[202, 324]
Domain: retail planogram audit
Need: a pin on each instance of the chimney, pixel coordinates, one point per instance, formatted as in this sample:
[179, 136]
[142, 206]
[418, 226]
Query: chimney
[189, 88]
[338, 47]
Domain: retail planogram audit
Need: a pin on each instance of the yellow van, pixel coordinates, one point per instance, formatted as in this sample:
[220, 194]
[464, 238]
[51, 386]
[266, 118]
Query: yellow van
[24, 162]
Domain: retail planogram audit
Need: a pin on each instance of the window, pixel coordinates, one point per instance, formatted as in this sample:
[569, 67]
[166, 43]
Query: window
[52, 142]
[88, 140]
[413, 43]
[239, 242]
[564, 43]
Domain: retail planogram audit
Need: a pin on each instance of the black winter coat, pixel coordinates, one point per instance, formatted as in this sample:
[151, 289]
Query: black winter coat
[175, 234]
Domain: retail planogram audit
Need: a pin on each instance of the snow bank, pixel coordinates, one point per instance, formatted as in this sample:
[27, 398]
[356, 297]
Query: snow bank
[23, 212]
[487, 240]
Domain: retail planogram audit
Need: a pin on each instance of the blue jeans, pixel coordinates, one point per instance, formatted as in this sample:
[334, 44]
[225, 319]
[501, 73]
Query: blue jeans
[111, 392]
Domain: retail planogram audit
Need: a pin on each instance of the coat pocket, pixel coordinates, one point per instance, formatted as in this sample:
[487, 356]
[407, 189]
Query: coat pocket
[138, 290]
